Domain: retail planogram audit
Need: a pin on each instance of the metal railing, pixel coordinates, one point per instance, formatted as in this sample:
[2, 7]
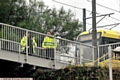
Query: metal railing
[66, 49]
[77, 52]
[103, 55]
[9, 45]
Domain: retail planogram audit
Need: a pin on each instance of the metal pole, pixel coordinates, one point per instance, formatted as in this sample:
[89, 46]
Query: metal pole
[55, 54]
[0, 43]
[110, 63]
[81, 54]
[94, 37]
[19, 53]
[84, 19]
[26, 46]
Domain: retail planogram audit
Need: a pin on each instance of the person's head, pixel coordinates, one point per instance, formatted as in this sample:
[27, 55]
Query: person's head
[48, 33]
[28, 34]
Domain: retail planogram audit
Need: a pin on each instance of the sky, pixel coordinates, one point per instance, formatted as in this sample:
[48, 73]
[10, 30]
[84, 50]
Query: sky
[114, 4]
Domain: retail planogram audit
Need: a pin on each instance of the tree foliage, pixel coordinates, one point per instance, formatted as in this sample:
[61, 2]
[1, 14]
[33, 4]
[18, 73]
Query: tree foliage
[76, 73]
[35, 15]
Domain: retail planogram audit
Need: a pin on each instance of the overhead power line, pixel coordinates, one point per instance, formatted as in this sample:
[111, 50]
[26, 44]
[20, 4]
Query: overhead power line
[115, 18]
[105, 7]
[71, 5]
[86, 10]
[119, 5]
[109, 9]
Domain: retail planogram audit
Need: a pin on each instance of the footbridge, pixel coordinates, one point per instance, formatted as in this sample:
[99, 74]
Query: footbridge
[67, 50]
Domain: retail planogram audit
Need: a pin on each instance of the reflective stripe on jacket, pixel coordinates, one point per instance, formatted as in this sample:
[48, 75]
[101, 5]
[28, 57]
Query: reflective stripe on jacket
[23, 43]
[49, 42]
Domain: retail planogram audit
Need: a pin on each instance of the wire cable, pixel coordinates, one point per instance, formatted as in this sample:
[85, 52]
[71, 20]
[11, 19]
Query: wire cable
[70, 5]
[108, 8]
[86, 10]
[119, 5]
[74, 8]
[105, 7]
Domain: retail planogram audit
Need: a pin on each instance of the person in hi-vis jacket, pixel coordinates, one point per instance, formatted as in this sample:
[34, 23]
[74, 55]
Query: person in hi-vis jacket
[49, 44]
[31, 43]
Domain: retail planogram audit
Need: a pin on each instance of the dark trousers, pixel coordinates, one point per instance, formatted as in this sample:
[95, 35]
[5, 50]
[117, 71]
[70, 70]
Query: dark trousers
[30, 51]
[50, 53]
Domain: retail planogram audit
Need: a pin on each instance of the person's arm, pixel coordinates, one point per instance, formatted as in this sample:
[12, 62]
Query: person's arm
[34, 42]
[23, 42]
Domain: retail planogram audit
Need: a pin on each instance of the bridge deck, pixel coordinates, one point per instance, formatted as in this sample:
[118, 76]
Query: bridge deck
[32, 60]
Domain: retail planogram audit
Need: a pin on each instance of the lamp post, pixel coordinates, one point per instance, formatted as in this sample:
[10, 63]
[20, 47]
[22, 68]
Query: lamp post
[94, 32]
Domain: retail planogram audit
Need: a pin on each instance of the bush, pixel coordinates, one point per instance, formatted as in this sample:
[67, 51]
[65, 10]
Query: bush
[77, 73]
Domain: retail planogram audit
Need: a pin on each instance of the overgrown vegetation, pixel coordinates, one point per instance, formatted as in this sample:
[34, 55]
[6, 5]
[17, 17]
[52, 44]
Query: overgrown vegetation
[77, 73]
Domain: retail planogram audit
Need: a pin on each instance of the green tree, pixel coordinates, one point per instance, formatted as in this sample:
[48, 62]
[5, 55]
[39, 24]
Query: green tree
[39, 17]
[12, 11]
[61, 22]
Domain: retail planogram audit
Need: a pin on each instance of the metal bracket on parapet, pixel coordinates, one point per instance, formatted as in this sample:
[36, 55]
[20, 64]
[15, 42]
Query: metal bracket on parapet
[25, 59]
[21, 65]
[34, 67]
[52, 64]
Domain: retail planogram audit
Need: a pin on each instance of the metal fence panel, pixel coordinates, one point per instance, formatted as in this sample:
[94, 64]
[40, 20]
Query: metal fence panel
[74, 51]
[66, 49]
[104, 55]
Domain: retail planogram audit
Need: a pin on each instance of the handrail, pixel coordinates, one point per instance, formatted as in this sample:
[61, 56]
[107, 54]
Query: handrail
[109, 44]
[16, 42]
[21, 28]
[75, 57]
[103, 57]
[43, 48]
[22, 31]
[75, 42]
[9, 41]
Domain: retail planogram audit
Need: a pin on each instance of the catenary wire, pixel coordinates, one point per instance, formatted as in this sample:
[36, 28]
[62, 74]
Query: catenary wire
[82, 9]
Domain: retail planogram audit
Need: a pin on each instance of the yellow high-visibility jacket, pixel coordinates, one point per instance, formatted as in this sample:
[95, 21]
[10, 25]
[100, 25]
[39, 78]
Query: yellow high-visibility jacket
[49, 42]
[23, 43]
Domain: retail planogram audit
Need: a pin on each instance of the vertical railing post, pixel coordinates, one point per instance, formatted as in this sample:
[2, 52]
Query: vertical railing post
[2, 32]
[81, 54]
[76, 55]
[110, 63]
[55, 44]
[0, 43]
[98, 54]
[19, 53]
[93, 50]
[26, 46]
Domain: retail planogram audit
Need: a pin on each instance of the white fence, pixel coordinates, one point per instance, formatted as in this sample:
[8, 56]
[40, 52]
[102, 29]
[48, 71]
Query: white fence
[66, 49]
[103, 54]
[108, 58]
